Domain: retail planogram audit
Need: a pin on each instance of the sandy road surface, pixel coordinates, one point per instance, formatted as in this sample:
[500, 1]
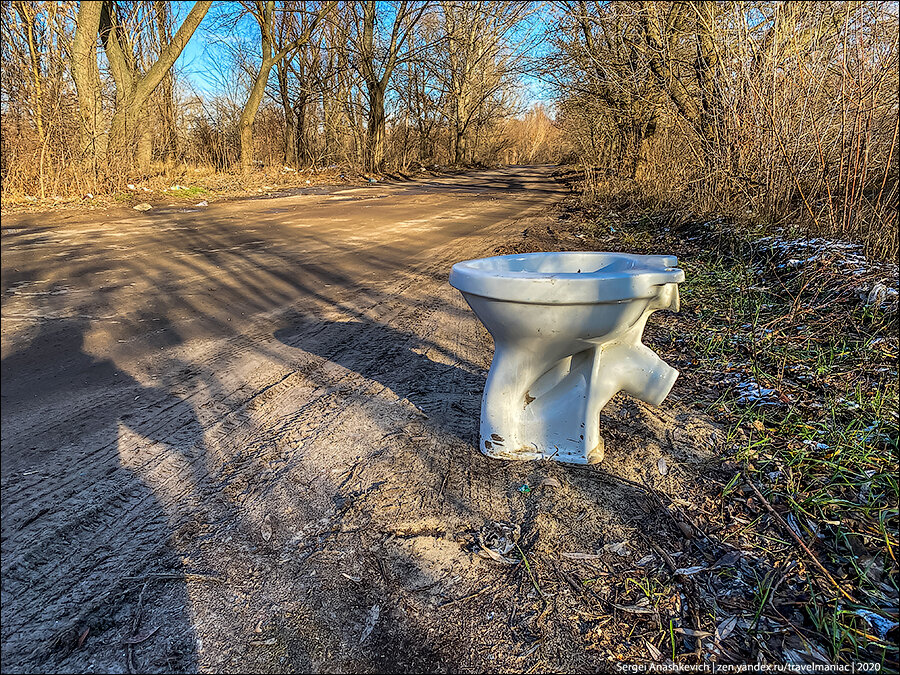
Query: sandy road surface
[190, 398]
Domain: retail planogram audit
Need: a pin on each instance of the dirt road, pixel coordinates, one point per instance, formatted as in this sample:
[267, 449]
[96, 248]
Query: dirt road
[179, 384]
[242, 438]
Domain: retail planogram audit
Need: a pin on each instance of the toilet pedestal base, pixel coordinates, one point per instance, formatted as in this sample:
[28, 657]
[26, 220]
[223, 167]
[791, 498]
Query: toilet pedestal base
[543, 398]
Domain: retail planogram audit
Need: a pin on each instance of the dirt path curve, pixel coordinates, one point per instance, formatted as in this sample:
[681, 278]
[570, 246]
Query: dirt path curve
[191, 398]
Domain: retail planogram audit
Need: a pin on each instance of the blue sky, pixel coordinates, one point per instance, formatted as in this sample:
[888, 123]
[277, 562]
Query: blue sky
[204, 55]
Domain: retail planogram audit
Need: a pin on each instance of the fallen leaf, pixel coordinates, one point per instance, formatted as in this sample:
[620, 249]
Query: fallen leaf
[634, 609]
[618, 548]
[690, 632]
[143, 206]
[655, 654]
[551, 482]
[724, 629]
[686, 529]
[83, 637]
[493, 555]
[263, 643]
[728, 559]
[138, 639]
[688, 571]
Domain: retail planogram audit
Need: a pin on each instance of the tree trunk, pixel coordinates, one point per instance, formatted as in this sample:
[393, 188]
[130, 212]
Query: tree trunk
[248, 115]
[642, 160]
[169, 142]
[87, 83]
[270, 57]
[132, 88]
[301, 144]
[290, 122]
[144, 150]
[706, 67]
[375, 131]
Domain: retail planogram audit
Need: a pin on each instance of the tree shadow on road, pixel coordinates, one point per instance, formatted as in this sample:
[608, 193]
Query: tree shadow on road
[88, 556]
[449, 394]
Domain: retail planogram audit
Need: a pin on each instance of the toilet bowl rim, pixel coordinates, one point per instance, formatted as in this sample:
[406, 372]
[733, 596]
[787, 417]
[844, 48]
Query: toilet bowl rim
[482, 278]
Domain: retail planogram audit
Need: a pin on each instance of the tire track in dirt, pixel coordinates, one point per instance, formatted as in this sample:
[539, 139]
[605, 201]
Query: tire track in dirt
[245, 417]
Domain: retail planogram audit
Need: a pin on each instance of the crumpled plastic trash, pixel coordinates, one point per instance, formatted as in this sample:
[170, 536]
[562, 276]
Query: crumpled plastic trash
[497, 539]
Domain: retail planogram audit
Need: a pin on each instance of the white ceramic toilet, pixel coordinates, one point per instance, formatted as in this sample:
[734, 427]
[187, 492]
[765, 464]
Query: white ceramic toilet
[567, 336]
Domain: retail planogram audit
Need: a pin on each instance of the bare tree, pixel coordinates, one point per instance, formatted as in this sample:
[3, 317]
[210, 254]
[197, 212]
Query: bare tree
[377, 56]
[782, 110]
[272, 51]
[134, 87]
[480, 59]
[35, 42]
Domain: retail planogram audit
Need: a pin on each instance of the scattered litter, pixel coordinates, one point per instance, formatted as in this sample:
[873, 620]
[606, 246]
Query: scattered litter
[143, 206]
[881, 625]
[371, 620]
[203, 203]
[878, 294]
[497, 539]
[750, 392]
[848, 258]
[662, 466]
[266, 528]
[619, 548]
[525, 489]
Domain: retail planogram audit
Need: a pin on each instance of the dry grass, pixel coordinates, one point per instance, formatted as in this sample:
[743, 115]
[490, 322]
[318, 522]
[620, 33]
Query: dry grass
[792, 344]
[790, 122]
[783, 549]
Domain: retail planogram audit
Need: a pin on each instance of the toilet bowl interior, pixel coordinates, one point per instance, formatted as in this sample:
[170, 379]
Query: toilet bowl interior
[569, 262]
[569, 277]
